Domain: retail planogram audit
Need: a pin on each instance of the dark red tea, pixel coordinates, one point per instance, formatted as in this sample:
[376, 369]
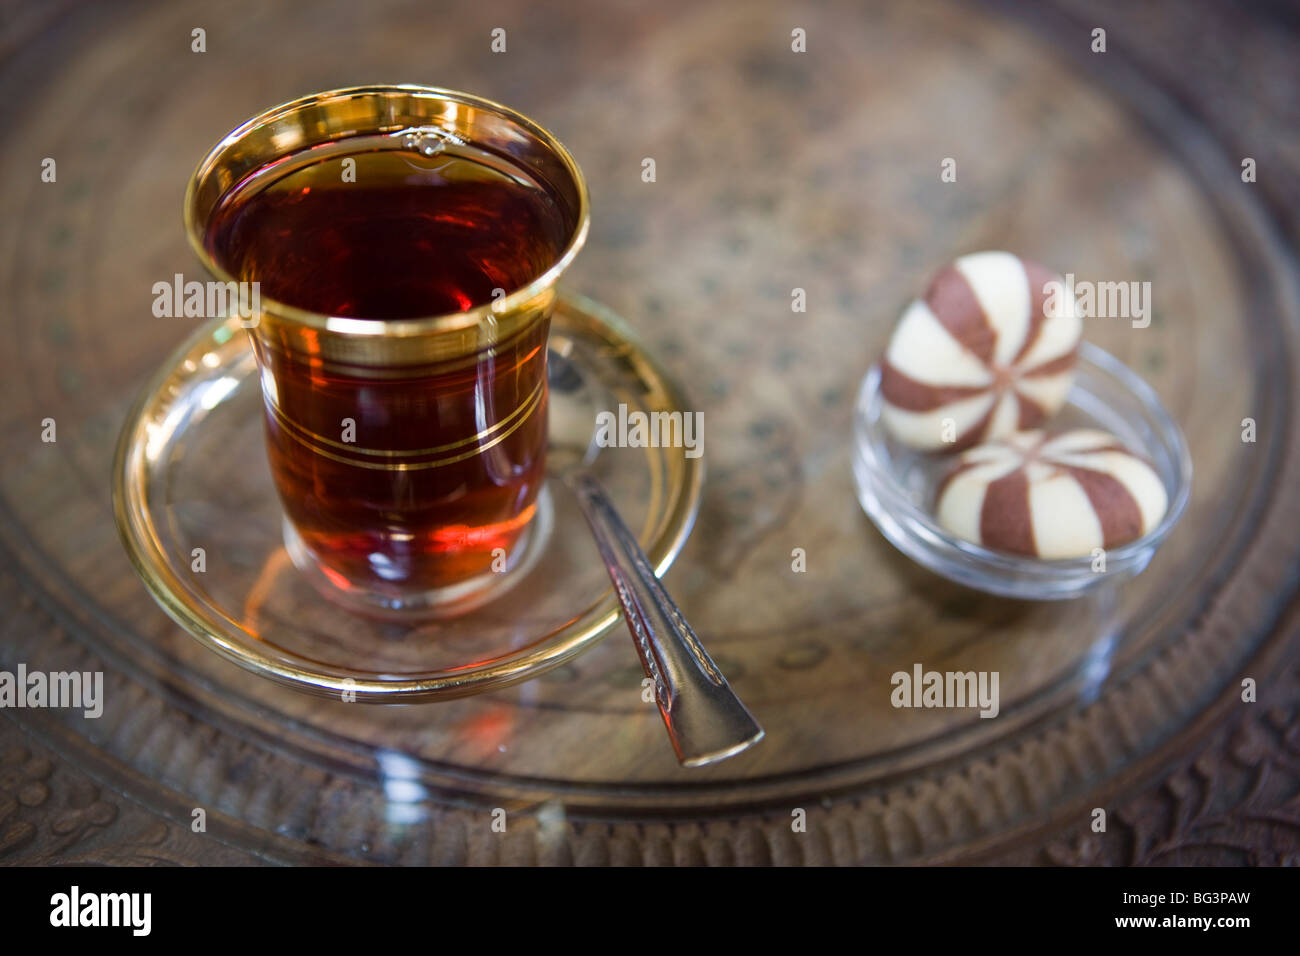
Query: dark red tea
[398, 476]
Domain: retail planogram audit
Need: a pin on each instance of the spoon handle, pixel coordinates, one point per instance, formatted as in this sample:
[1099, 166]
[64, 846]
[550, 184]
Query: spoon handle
[705, 719]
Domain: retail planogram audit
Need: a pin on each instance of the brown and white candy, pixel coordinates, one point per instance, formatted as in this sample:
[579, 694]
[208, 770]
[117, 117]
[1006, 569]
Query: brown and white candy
[985, 353]
[1058, 496]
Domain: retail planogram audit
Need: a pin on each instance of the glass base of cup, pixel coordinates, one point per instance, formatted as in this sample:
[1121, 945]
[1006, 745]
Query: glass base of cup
[405, 603]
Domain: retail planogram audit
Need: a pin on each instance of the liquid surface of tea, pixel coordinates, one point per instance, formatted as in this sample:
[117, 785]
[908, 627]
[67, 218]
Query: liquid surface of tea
[399, 235]
[439, 475]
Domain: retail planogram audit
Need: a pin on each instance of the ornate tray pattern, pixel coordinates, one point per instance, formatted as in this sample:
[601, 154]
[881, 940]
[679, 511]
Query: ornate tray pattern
[775, 170]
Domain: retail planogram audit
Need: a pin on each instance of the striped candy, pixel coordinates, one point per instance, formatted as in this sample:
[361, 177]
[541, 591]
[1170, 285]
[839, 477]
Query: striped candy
[1059, 496]
[980, 356]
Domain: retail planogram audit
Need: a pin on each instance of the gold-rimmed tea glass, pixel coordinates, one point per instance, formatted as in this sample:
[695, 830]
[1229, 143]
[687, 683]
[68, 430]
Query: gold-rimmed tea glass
[408, 450]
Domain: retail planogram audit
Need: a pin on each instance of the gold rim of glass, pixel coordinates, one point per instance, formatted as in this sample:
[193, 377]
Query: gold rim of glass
[663, 537]
[512, 302]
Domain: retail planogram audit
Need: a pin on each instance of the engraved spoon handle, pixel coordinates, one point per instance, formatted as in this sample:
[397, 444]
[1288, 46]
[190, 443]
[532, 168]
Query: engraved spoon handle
[705, 719]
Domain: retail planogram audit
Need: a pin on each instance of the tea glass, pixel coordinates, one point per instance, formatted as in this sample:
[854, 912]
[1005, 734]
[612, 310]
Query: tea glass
[436, 493]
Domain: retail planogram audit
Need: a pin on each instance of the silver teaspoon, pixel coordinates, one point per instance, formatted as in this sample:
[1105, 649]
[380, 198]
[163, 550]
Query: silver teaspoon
[705, 719]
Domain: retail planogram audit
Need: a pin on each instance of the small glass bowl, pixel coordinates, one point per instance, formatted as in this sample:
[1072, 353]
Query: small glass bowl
[896, 486]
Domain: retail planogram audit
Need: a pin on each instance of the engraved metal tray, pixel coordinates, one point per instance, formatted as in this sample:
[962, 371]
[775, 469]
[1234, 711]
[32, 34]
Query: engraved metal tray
[774, 172]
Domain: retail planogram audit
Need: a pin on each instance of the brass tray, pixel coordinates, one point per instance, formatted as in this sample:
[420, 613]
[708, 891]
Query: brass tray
[775, 171]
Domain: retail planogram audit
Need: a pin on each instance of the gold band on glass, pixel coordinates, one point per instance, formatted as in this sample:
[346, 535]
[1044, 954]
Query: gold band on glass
[266, 345]
[488, 438]
[339, 347]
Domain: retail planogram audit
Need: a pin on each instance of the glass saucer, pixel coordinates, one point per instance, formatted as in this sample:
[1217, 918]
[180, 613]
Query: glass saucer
[896, 486]
[191, 473]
